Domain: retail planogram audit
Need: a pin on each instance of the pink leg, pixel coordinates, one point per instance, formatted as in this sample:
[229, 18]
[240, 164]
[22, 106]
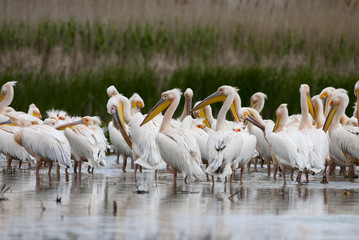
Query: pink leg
[241, 177]
[255, 164]
[50, 167]
[20, 163]
[118, 157]
[9, 160]
[185, 180]
[38, 164]
[283, 172]
[307, 176]
[136, 166]
[124, 163]
[132, 163]
[262, 162]
[268, 168]
[156, 174]
[275, 172]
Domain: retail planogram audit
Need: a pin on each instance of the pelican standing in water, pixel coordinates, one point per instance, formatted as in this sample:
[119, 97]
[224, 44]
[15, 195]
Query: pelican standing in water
[225, 147]
[344, 138]
[177, 146]
[145, 150]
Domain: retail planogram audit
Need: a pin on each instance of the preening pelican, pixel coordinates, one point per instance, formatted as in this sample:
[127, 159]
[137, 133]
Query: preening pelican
[46, 144]
[257, 101]
[9, 147]
[225, 147]
[87, 141]
[145, 150]
[177, 146]
[111, 91]
[188, 95]
[343, 138]
[7, 95]
[34, 111]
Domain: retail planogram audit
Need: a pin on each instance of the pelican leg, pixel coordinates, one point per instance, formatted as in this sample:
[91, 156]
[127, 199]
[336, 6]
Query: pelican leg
[80, 166]
[66, 170]
[89, 169]
[212, 180]
[291, 175]
[132, 163]
[241, 177]
[29, 165]
[75, 167]
[342, 171]
[140, 168]
[136, 166]
[225, 179]
[299, 177]
[124, 163]
[185, 180]
[20, 163]
[38, 164]
[324, 180]
[9, 160]
[307, 176]
[255, 164]
[232, 176]
[262, 162]
[268, 168]
[50, 167]
[156, 174]
[174, 176]
[332, 169]
[283, 172]
[275, 172]
[92, 170]
[207, 173]
[58, 169]
[351, 173]
[118, 157]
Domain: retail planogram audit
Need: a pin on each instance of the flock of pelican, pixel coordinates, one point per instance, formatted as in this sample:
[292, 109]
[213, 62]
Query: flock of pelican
[196, 144]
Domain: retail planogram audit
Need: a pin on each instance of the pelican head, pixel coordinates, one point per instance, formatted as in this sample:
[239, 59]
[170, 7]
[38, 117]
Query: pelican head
[325, 95]
[34, 111]
[115, 107]
[282, 117]
[202, 114]
[188, 95]
[257, 101]
[251, 115]
[166, 99]
[7, 90]
[338, 103]
[136, 102]
[304, 89]
[111, 91]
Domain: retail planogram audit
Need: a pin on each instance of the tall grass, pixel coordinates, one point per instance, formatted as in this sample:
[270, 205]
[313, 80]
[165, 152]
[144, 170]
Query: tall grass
[66, 53]
[85, 93]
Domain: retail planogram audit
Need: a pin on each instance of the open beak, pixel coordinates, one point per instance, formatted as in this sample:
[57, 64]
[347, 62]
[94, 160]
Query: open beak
[329, 119]
[69, 125]
[119, 122]
[8, 122]
[215, 97]
[159, 107]
[310, 106]
[250, 118]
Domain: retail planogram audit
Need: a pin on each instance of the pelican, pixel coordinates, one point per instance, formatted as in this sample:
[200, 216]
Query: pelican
[111, 91]
[45, 144]
[257, 102]
[344, 138]
[9, 147]
[284, 149]
[178, 147]
[145, 150]
[34, 111]
[87, 141]
[225, 147]
[7, 95]
[188, 95]
[315, 144]
[356, 93]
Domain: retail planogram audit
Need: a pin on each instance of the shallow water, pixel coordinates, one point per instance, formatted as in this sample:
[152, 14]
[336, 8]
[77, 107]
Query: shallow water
[149, 209]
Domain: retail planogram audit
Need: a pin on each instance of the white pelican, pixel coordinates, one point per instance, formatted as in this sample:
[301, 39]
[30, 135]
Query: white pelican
[9, 147]
[111, 91]
[145, 150]
[87, 141]
[178, 147]
[314, 143]
[344, 138]
[46, 144]
[7, 95]
[284, 149]
[356, 93]
[257, 102]
[188, 95]
[34, 111]
[325, 95]
[225, 147]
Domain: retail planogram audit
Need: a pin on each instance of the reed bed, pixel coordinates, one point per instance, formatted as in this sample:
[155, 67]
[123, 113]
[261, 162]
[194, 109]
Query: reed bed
[66, 53]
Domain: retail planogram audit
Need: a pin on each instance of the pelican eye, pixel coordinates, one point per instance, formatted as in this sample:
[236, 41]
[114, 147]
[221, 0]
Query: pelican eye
[245, 115]
[324, 95]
